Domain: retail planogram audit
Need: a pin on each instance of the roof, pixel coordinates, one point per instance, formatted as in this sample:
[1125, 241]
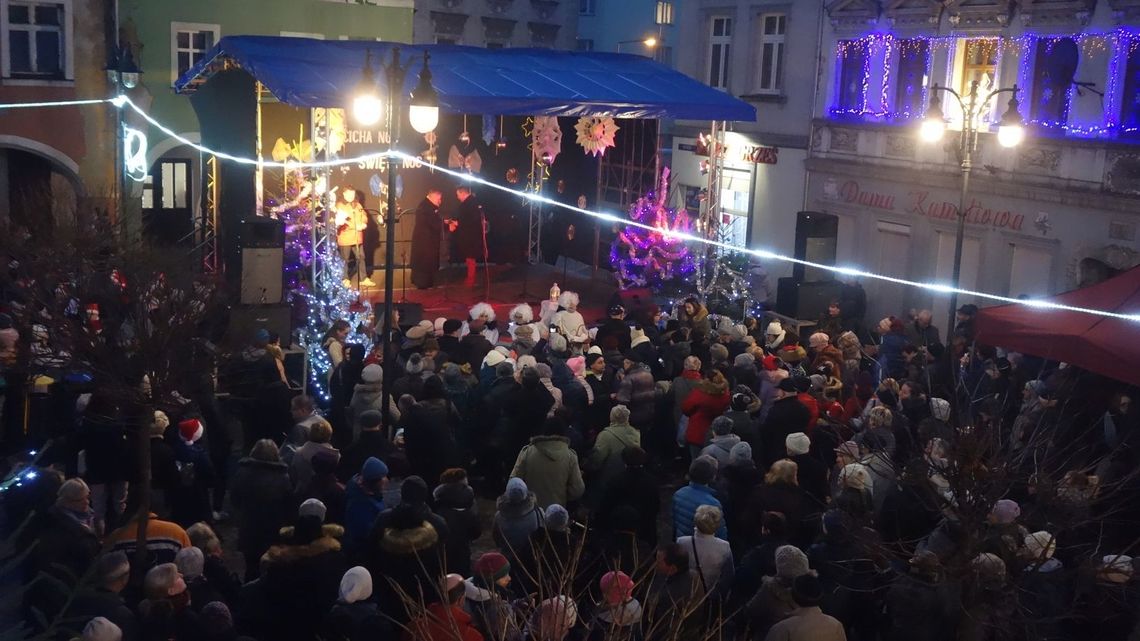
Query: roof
[1102, 344]
[514, 82]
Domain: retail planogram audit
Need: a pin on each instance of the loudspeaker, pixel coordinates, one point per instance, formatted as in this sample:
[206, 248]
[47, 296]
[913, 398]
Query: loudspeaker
[410, 313]
[804, 301]
[262, 276]
[262, 261]
[245, 320]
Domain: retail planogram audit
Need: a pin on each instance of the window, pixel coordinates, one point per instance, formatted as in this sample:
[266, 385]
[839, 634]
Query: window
[719, 51]
[664, 13]
[166, 201]
[910, 79]
[586, 7]
[771, 71]
[36, 34]
[1054, 66]
[979, 64]
[852, 93]
[584, 44]
[189, 43]
[1130, 100]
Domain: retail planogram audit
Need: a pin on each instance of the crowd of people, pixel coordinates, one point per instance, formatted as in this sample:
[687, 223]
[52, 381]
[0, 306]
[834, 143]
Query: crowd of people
[654, 475]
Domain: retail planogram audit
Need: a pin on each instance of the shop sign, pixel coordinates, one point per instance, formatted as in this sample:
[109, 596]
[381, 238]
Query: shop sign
[921, 202]
[761, 155]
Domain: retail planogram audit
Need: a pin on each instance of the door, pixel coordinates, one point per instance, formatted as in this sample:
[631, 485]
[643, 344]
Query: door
[944, 271]
[1030, 271]
[893, 257]
[816, 235]
[166, 202]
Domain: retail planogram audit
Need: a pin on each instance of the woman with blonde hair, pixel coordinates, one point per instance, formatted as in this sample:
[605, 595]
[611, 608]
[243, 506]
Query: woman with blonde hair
[781, 492]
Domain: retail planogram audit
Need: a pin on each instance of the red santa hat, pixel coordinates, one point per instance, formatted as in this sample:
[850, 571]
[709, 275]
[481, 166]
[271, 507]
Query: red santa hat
[190, 430]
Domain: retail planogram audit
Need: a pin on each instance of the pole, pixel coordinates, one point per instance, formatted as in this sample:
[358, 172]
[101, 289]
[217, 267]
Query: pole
[966, 149]
[395, 83]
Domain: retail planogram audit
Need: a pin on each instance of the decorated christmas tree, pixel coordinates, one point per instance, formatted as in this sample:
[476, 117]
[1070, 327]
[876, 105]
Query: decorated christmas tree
[650, 252]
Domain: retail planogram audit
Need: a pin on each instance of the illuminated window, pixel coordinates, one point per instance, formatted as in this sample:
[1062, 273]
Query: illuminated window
[979, 64]
[910, 77]
[1054, 66]
[853, 60]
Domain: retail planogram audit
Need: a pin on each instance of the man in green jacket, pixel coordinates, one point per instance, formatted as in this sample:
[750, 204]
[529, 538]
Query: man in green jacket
[604, 460]
[549, 467]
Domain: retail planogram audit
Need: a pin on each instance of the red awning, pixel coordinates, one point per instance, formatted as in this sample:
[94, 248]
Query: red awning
[1104, 345]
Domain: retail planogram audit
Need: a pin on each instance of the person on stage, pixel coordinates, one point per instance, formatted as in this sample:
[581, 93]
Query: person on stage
[425, 240]
[470, 241]
[351, 222]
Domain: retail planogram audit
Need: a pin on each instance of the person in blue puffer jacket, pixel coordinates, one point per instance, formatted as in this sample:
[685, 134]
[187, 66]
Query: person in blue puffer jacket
[702, 473]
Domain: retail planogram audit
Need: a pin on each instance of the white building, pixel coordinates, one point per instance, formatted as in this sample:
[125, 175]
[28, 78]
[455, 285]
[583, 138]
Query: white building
[1056, 211]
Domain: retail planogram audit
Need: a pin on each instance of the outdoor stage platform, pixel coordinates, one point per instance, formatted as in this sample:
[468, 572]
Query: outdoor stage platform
[508, 286]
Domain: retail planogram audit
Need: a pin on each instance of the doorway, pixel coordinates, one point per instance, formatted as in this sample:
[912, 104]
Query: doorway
[816, 236]
[166, 202]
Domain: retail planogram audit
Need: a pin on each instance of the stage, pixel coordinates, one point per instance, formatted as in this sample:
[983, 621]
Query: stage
[507, 286]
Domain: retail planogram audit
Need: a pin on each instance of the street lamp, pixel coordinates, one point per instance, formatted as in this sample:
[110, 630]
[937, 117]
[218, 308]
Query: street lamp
[423, 115]
[124, 74]
[122, 70]
[1010, 134]
[650, 42]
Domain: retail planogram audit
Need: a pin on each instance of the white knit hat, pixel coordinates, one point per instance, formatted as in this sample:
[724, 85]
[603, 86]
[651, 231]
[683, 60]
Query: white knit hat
[356, 585]
[797, 443]
[1040, 546]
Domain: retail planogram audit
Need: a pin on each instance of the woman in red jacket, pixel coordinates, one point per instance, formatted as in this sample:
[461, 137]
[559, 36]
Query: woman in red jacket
[707, 401]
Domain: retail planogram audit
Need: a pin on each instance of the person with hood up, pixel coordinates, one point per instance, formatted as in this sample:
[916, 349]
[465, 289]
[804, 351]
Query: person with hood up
[368, 395]
[723, 440]
[364, 501]
[638, 392]
[300, 575]
[686, 500]
[262, 497]
[919, 604]
[549, 467]
[444, 619]
[407, 552]
[455, 504]
[709, 400]
[695, 316]
[618, 617]
[605, 461]
[774, 602]
[569, 320]
[490, 601]
[516, 517]
[354, 616]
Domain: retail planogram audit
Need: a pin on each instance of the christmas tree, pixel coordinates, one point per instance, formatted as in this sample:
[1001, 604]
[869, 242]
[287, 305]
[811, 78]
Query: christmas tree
[650, 252]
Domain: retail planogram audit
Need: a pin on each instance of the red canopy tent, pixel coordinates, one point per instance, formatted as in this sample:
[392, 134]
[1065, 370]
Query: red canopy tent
[1104, 345]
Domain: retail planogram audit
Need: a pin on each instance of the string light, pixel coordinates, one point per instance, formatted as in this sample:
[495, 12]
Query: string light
[759, 253]
[58, 103]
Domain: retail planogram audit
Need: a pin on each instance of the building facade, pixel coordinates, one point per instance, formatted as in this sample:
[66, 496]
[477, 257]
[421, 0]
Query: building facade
[497, 24]
[767, 53]
[1053, 213]
[54, 51]
[644, 27]
[169, 36]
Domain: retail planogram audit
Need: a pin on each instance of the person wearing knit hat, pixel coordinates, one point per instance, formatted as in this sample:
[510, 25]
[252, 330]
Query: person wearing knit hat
[355, 585]
[415, 336]
[741, 454]
[1004, 512]
[774, 336]
[372, 373]
[101, 629]
[517, 517]
[525, 362]
[557, 344]
[686, 500]
[797, 443]
[791, 562]
[857, 477]
[191, 563]
[722, 441]
[718, 354]
[1039, 547]
[618, 608]
[557, 518]
[314, 508]
[190, 430]
[494, 568]
[553, 619]
[493, 358]
[446, 619]
[940, 409]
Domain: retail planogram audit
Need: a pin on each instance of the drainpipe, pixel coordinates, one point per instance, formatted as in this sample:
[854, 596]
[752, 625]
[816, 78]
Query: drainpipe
[815, 93]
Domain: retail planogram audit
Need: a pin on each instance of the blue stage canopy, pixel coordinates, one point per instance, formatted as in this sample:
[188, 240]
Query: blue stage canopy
[513, 82]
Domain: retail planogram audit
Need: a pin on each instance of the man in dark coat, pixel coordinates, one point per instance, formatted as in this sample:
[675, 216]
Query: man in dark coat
[469, 242]
[786, 416]
[425, 240]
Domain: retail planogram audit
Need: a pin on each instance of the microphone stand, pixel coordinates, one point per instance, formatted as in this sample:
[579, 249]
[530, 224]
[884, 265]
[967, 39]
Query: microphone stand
[486, 252]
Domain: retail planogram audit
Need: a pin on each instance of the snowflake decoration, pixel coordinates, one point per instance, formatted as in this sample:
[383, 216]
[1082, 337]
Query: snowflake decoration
[596, 134]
